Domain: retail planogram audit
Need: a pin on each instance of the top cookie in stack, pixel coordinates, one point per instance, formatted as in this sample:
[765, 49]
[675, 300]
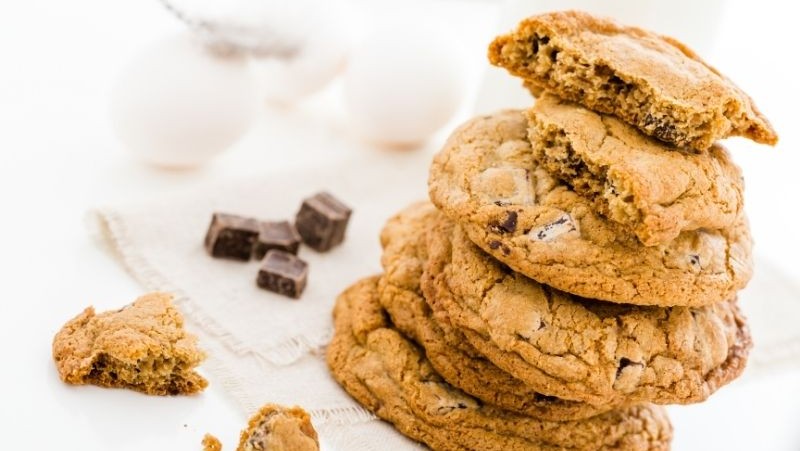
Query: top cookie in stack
[652, 82]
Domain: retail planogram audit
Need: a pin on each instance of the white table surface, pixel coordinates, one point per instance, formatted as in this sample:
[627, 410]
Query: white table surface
[58, 157]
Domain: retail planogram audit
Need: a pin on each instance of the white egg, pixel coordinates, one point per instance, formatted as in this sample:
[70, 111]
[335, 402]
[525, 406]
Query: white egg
[177, 104]
[321, 34]
[403, 83]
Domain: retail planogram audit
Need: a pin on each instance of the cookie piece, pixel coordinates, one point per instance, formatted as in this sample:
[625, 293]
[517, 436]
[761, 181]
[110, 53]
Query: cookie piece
[485, 178]
[211, 443]
[278, 428]
[581, 349]
[449, 352]
[652, 82]
[653, 189]
[141, 346]
[390, 376]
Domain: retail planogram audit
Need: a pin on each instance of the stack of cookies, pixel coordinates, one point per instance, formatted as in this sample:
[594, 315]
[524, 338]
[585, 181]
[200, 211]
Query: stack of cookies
[579, 262]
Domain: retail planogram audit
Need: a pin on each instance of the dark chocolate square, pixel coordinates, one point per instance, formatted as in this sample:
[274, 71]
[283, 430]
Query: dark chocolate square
[283, 273]
[231, 236]
[322, 221]
[280, 235]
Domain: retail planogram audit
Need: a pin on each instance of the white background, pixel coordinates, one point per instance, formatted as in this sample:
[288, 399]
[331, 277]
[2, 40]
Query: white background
[58, 157]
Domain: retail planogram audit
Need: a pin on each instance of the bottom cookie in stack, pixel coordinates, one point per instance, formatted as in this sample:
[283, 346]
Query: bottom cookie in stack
[388, 374]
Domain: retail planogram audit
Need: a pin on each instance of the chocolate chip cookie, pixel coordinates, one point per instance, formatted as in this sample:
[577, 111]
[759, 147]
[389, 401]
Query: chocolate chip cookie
[486, 179]
[652, 189]
[390, 376]
[652, 82]
[142, 346]
[576, 348]
[449, 352]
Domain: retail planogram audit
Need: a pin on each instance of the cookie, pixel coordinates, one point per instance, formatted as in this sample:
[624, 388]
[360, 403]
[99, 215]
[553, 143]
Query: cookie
[278, 428]
[652, 189]
[485, 178]
[576, 348]
[141, 346]
[449, 352]
[211, 443]
[652, 82]
[390, 376]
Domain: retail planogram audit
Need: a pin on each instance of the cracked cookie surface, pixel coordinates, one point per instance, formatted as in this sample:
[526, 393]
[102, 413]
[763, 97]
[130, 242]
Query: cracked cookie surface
[652, 82]
[141, 346]
[279, 428]
[449, 352]
[390, 376]
[485, 179]
[652, 189]
[577, 348]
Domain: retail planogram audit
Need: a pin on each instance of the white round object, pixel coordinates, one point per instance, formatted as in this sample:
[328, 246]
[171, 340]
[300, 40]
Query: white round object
[404, 83]
[178, 104]
[320, 33]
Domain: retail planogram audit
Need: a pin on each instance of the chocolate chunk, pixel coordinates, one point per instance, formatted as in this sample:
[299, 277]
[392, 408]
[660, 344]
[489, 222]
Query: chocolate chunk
[510, 224]
[231, 236]
[553, 230]
[283, 273]
[623, 363]
[280, 235]
[322, 221]
[661, 129]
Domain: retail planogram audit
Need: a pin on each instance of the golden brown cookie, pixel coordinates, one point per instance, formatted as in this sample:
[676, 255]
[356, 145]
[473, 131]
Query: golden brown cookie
[141, 346]
[576, 348]
[211, 443]
[652, 82]
[485, 179]
[390, 376]
[652, 189]
[278, 428]
[448, 351]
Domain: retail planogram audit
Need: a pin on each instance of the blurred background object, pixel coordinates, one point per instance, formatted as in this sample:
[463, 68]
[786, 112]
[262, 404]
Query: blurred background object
[186, 99]
[179, 103]
[403, 85]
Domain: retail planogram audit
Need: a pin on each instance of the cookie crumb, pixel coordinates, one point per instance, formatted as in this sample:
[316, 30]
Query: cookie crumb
[211, 443]
[277, 428]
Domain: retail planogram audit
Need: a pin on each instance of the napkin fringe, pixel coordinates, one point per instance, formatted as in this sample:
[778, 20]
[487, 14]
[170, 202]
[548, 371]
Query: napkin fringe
[341, 416]
[350, 438]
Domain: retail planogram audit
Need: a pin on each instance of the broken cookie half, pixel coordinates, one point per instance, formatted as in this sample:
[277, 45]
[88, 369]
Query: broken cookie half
[652, 82]
[142, 346]
[650, 188]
